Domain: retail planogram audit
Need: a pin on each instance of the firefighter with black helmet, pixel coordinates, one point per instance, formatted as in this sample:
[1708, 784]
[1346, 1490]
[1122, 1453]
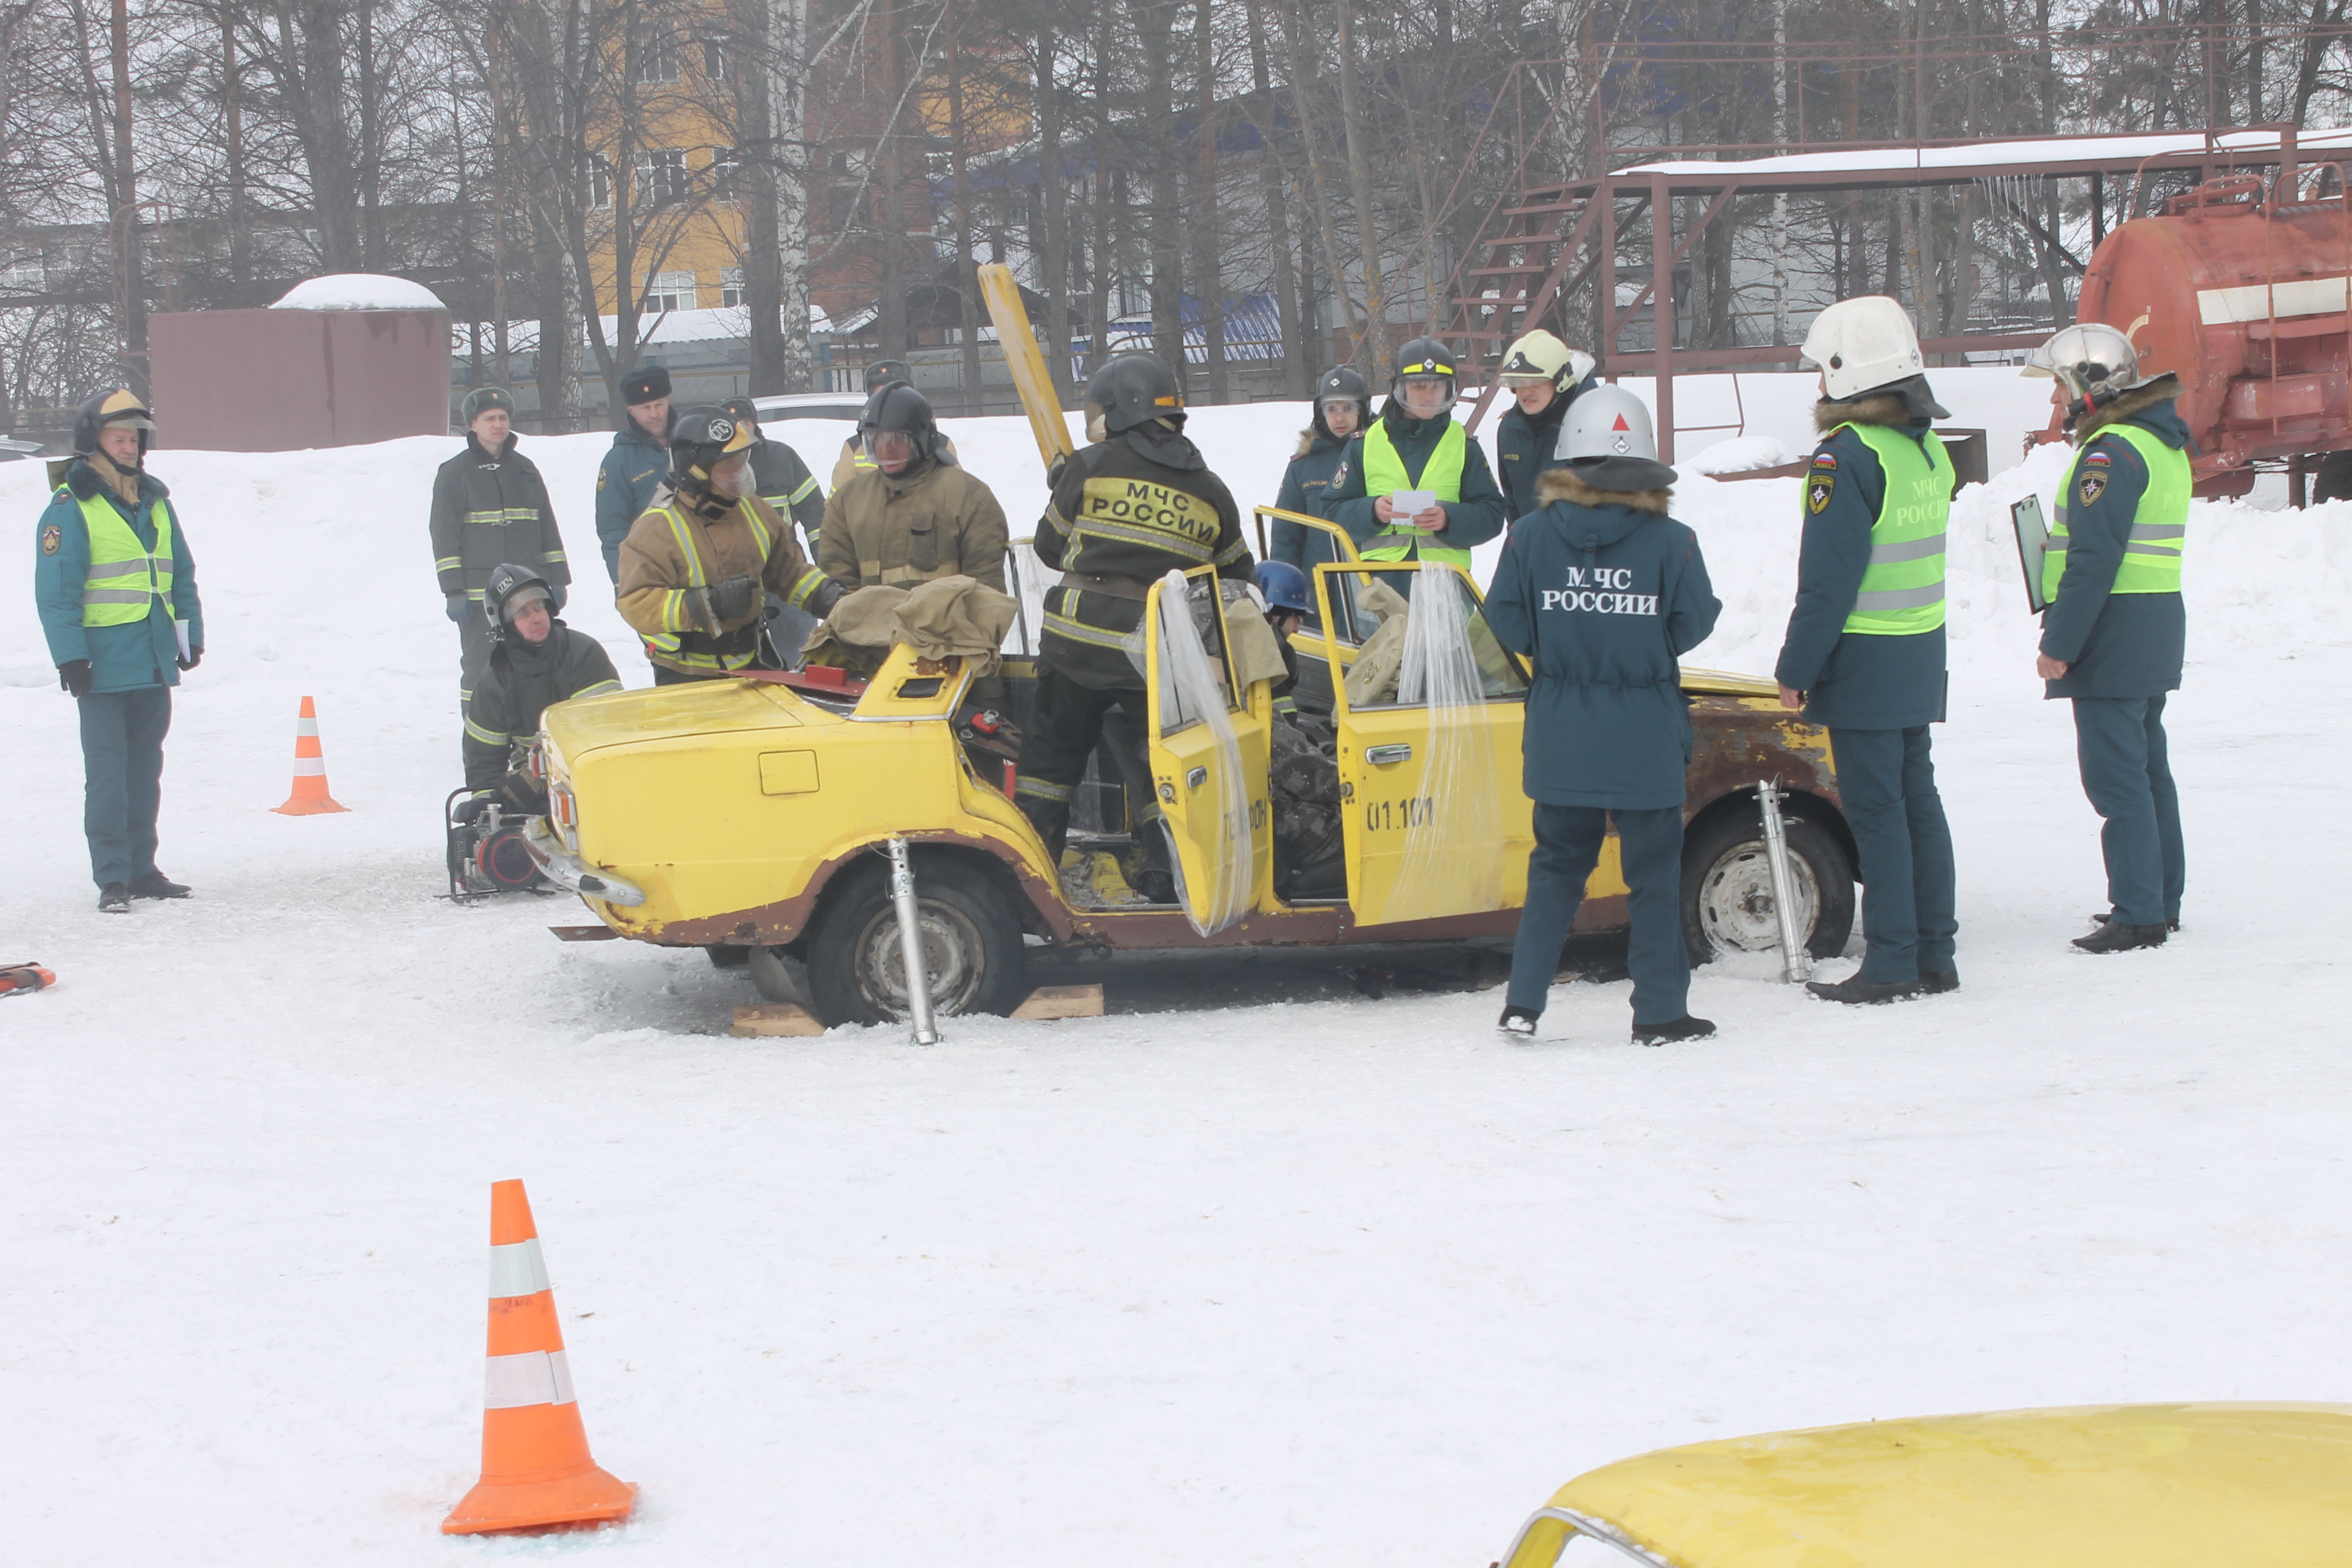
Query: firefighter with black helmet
[855, 459]
[116, 590]
[915, 516]
[535, 661]
[1136, 504]
[489, 506]
[1416, 446]
[699, 563]
[779, 476]
[1343, 406]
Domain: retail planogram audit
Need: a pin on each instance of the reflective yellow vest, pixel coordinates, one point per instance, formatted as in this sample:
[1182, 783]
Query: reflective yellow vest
[1903, 590]
[125, 578]
[1442, 476]
[2151, 562]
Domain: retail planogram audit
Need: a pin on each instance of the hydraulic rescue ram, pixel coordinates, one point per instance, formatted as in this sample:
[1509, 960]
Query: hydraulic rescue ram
[1796, 963]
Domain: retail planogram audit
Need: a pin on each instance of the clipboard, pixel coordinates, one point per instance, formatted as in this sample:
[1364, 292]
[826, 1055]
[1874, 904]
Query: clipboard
[2032, 544]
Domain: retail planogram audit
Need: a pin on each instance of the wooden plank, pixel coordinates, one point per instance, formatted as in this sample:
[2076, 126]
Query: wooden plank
[585, 934]
[775, 1020]
[1062, 1002]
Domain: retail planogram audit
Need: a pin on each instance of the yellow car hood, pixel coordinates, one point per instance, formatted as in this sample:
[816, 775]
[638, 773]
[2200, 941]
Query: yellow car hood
[2141, 1485]
[668, 712]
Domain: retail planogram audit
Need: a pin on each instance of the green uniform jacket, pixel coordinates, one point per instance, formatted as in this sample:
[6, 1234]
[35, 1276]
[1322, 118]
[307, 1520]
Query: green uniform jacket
[1126, 512]
[125, 658]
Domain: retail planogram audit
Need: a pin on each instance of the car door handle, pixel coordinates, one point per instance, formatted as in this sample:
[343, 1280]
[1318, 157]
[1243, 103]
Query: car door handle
[1377, 755]
[1196, 778]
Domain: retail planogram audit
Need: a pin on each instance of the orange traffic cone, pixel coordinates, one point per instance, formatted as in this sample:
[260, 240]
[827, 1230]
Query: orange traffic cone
[535, 1465]
[309, 797]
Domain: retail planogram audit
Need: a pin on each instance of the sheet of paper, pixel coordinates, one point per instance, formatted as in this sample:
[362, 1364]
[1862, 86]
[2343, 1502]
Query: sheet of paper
[1409, 504]
[180, 630]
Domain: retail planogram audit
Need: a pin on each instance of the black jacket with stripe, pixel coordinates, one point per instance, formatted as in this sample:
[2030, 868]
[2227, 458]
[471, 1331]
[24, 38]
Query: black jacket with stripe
[489, 509]
[1126, 512]
[521, 682]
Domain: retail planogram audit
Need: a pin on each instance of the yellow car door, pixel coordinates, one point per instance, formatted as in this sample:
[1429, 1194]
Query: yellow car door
[1431, 812]
[1208, 750]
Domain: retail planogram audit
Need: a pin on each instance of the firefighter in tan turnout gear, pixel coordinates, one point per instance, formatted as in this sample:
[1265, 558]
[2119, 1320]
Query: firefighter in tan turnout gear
[1137, 503]
[699, 563]
[918, 515]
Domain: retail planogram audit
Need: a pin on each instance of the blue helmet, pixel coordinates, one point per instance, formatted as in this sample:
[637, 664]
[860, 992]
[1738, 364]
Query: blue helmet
[1285, 587]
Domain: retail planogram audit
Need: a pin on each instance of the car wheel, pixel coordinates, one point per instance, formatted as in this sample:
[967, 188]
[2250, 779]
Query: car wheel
[972, 946]
[1727, 887]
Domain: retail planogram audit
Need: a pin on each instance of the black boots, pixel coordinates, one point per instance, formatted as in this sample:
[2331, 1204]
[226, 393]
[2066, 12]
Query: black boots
[2114, 936]
[1519, 1021]
[1683, 1028]
[155, 885]
[114, 899]
[1854, 989]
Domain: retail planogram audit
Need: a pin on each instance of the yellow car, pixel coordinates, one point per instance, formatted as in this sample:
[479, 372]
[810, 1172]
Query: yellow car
[746, 816]
[2131, 1486]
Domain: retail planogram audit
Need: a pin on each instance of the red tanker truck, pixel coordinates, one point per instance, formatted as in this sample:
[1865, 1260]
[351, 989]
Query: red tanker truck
[2239, 290]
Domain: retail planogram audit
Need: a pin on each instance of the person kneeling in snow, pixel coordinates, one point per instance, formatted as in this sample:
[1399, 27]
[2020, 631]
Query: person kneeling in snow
[535, 662]
[1605, 593]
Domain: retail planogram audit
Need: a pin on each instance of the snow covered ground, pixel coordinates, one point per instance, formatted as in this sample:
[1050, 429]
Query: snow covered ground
[1345, 1280]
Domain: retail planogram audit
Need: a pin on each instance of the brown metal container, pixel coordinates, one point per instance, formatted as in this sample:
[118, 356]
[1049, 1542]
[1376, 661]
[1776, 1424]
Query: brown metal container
[283, 381]
[2245, 301]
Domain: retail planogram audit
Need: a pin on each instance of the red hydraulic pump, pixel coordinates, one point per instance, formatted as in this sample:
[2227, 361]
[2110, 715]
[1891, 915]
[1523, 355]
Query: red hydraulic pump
[2239, 288]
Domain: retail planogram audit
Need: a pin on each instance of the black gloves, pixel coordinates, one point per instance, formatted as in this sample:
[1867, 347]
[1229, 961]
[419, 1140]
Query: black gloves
[518, 794]
[825, 595]
[74, 676]
[195, 656]
[732, 598]
[457, 603]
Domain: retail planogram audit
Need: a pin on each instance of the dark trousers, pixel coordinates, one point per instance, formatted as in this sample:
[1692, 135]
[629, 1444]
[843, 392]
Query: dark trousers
[1650, 851]
[122, 779]
[1066, 724]
[1888, 784]
[474, 646]
[2127, 772]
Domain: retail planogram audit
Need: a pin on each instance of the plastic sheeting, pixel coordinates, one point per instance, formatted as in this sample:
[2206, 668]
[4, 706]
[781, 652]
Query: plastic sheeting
[1214, 881]
[1453, 861]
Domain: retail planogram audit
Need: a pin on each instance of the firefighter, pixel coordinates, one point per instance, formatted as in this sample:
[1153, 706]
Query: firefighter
[489, 506]
[535, 661]
[1343, 406]
[116, 591]
[1137, 503]
[917, 514]
[1543, 376]
[779, 477]
[1865, 652]
[1605, 593]
[855, 459]
[637, 465]
[697, 565]
[1416, 445]
[2116, 633]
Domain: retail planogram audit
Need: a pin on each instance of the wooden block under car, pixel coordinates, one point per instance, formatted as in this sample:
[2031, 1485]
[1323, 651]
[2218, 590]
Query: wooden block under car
[1062, 1002]
[775, 1020]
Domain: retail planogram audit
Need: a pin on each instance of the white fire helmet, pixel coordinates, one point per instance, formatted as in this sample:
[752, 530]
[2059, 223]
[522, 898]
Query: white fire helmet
[1607, 422]
[1864, 344]
[2093, 362]
[1540, 356]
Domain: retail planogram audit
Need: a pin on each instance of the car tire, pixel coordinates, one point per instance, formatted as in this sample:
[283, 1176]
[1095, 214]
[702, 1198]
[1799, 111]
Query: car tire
[972, 945]
[1726, 903]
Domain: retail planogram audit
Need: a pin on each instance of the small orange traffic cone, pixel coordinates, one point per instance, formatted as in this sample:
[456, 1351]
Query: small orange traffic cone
[535, 1465]
[309, 797]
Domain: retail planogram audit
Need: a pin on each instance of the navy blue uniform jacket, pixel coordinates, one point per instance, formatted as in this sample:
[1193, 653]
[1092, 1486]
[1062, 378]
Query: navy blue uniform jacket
[2114, 645]
[1854, 680]
[637, 465]
[1303, 486]
[1605, 593]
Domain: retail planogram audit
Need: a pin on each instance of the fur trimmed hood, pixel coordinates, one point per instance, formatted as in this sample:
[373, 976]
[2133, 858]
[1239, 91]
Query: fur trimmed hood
[1909, 402]
[2139, 400]
[1564, 484]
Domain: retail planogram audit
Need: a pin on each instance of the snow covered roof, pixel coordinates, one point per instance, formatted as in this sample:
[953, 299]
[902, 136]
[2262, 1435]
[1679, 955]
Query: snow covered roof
[724, 323]
[2050, 150]
[359, 291]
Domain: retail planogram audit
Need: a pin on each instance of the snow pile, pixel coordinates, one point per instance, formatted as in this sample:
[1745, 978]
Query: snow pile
[359, 291]
[1739, 455]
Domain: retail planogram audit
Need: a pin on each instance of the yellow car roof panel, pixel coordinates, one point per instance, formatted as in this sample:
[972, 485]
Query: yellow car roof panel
[2143, 1485]
[1724, 683]
[666, 713]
